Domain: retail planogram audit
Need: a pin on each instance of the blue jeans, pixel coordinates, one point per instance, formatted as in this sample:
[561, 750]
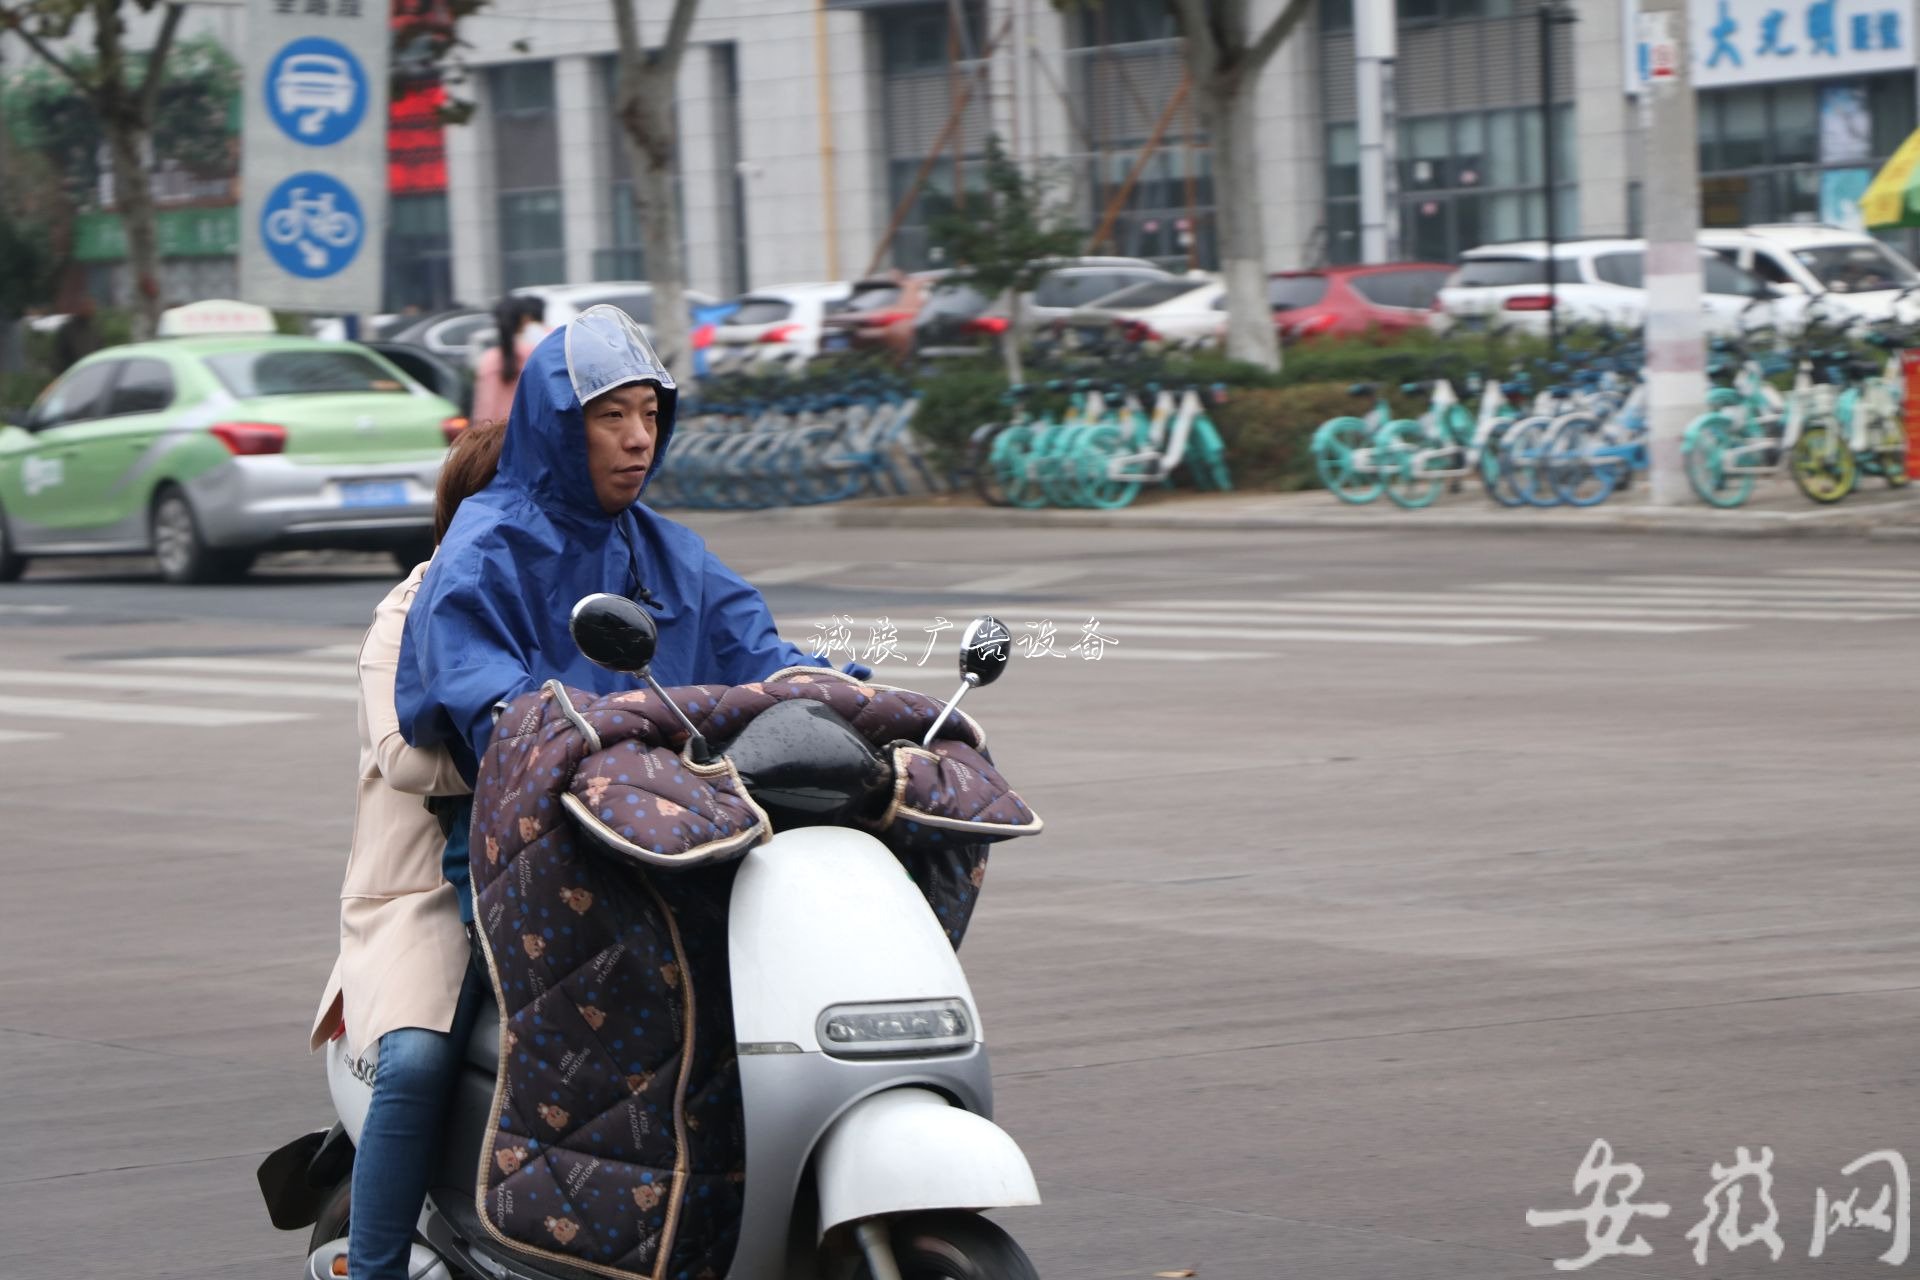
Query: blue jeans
[400, 1142]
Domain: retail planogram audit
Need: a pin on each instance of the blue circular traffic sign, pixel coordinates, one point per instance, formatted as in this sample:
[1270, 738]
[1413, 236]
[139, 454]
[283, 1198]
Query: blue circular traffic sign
[316, 91]
[312, 226]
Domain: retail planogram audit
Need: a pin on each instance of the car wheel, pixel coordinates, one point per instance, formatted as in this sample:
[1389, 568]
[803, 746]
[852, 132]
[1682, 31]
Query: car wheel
[182, 553]
[12, 565]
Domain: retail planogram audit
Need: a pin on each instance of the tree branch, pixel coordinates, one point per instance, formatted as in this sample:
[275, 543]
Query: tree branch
[679, 26]
[1203, 51]
[10, 20]
[627, 27]
[157, 62]
[1276, 34]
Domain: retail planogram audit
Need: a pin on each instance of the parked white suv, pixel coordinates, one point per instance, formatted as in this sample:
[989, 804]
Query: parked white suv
[1504, 286]
[1852, 272]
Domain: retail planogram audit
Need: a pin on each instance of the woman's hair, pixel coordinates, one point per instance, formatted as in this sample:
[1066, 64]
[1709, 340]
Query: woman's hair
[468, 469]
[511, 313]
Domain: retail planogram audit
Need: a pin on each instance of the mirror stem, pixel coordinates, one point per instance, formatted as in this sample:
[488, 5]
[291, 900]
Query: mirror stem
[968, 681]
[696, 744]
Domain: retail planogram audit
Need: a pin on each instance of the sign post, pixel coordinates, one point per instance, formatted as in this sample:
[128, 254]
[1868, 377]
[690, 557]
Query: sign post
[313, 163]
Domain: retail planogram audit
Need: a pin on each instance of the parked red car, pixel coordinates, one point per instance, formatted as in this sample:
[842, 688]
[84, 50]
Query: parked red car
[1343, 302]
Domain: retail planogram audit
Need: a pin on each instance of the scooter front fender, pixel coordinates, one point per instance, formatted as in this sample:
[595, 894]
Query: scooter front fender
[909, 1149]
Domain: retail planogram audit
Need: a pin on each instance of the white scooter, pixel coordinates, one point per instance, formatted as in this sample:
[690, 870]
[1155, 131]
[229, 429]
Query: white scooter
[867, 1094]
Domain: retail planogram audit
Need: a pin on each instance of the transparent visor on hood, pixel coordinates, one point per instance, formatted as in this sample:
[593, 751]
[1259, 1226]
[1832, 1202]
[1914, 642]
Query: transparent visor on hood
[606, 349]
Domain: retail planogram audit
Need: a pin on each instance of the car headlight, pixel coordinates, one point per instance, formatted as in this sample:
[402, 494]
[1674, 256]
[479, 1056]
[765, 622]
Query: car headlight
[914, 1027]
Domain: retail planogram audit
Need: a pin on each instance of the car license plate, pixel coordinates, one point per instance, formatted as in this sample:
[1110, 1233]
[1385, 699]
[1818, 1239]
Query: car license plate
[373, 493]
[836, 341]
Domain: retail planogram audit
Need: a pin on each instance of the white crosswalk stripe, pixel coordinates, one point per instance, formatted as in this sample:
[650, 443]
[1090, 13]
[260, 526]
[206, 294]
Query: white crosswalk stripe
[193, 696]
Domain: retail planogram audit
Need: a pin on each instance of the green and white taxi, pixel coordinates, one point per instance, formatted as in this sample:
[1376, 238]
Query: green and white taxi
[206, 451]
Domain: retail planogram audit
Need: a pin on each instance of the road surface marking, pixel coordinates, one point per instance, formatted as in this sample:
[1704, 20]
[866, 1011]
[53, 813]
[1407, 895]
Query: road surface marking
[140, 682]
[332, 671]
[1305, 615]
[138, 712]
[799, 571]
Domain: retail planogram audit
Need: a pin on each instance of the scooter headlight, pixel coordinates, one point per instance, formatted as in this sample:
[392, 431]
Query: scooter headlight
[916, 1027]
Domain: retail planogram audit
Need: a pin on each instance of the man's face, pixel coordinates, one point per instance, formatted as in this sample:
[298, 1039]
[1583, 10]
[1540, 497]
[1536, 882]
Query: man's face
[621, 426]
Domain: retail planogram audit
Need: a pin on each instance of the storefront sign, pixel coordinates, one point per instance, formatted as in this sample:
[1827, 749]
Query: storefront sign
[182, 233]
[313, 164]
[1758, 41]
[1910, 372]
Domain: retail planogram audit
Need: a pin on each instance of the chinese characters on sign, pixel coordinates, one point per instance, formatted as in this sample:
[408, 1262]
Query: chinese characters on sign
[1753, 41]
[1740, 1210]
[879, 642]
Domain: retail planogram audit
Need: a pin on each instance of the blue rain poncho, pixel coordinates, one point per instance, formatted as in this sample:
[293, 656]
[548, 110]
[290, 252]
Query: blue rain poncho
[490, 620]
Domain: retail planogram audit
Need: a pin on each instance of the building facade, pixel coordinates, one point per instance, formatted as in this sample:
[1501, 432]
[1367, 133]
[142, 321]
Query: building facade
[811, 133]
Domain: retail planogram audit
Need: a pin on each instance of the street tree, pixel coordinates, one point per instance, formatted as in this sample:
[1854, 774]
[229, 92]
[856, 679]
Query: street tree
[1005, 238]
[123, 89]
[646, 88]
[1225, 58]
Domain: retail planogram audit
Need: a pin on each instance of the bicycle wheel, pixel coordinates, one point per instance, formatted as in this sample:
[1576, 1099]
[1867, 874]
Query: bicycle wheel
[1396, 452]
[1494, 477]
[1582, 476]
[1523, 457]
[1208, 454]
[1888, 445]
[1091, 462]
[1709, 437]
[1823, 465]
[1334, 447]
[986, 481]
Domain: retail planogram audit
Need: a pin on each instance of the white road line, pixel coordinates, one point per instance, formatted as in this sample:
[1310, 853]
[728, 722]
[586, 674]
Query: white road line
[1724, 595]
[335, 670]
[37, 610]
[1889, 575]
[138, 713]
[1122, 649]
[1424, 618]
[912, 629]
[333, 651]
[1797, 586]
[799, 571]
[1018, 580]
[1559, 606]
[138, 682]
[14, 735]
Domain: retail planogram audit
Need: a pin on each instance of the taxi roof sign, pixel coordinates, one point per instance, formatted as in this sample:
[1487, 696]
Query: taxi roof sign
[215, 316]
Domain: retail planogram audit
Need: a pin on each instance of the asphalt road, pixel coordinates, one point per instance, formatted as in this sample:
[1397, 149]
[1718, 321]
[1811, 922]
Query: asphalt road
[1383, 875]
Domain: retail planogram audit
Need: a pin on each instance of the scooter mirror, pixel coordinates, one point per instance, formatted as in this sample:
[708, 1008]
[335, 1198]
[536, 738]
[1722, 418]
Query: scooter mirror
[984, 650]
[614, 632]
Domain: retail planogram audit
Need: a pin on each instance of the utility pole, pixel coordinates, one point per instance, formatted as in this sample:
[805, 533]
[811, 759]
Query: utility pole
[1375, 41]
[1551, 13]
[1676, 350]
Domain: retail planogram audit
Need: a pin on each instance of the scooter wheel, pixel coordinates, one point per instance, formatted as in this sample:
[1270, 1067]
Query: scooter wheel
[952, 1246]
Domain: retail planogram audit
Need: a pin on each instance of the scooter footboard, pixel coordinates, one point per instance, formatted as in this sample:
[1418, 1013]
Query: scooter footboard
[874, 1160]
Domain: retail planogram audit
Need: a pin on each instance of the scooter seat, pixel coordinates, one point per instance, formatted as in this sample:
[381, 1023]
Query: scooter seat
[483, 1046]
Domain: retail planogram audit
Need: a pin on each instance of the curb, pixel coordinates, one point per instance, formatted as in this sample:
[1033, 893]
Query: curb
[1834, 523]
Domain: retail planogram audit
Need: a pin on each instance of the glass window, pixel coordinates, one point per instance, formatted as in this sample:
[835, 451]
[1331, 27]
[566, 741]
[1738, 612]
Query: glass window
[81, 395]
[1343, 231]
[1343, 160]
[1499, 273]
[1890, 103]
[1469, 150]
[145, 386]
[1503, 151]
[1425, 147]
[522, 87]
[637, 305]
[1628, 270]
[1336, 15]
[1411, 289]
[1720, 276]
[532, 243]
[1857, 268]
[1796, 124]
[1150, 293]
[458, 331]
[867, 296]
[1284, 293]
[1743, 123]
[301, 372]
[952, 300]
[760, 311]
[1425, 229]
[1770, 269]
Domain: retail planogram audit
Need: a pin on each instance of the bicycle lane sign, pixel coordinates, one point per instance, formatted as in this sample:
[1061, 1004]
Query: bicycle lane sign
[312, 226]
[313, 154]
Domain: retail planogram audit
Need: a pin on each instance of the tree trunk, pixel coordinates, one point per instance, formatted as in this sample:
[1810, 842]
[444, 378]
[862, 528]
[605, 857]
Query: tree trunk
[1010, 339]
[648, 118]
[1227, 105]
[134, 198]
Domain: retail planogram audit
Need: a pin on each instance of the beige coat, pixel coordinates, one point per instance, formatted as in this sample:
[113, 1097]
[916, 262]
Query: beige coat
[403, 950]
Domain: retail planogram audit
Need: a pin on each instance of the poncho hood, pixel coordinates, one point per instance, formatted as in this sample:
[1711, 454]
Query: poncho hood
[490, 620]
